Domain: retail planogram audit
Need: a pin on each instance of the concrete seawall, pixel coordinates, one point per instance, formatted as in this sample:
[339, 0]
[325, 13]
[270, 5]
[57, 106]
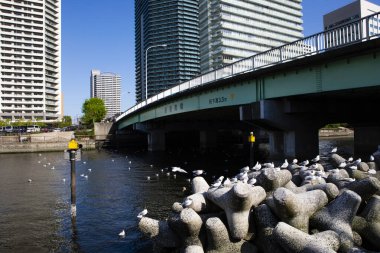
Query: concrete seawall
[42, 142]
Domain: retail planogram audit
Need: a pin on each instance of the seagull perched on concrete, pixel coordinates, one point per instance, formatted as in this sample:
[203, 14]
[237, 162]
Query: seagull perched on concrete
[178, 169]
[304, 163]
[244, 169]
[187, 202]
[316, 159]
[218, 182]
[334, 150]
[371, 158]
[285, 164]
[372, 172]
[342, 164]
[198, 172]
[142, 213]
[257, 166]
[350, 159]
[295, 161]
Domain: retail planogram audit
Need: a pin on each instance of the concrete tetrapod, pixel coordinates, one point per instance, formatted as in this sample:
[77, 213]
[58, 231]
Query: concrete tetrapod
[237, 202]
[200, 204]
[366, 187]
[296, 241]
[187, 224]
[296, 209]
[199, 184]
[266, 222]
[270, 179]
[159, 232]
[338, 216]
[219, 240]
[368, 226]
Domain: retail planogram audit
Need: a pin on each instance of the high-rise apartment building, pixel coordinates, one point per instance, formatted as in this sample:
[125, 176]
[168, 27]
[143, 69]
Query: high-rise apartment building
[234, 29]
[107, 87]
[30, 60]
[167, 44]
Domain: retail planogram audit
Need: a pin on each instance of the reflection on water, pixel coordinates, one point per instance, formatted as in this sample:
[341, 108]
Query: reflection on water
[35, 216]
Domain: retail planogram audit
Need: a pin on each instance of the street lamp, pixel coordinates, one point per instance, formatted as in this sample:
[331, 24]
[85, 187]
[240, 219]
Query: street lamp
[146, 67]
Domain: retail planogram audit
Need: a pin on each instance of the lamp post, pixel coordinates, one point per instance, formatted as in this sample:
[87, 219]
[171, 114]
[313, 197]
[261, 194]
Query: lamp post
[146, 67]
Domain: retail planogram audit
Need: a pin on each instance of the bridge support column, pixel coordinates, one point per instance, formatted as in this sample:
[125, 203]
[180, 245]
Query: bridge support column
[208, 139]
[301, 143]
[156, 141]
[366, 141]
[276, 143]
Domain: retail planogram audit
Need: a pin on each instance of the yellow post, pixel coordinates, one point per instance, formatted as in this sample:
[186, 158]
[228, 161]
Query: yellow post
[73, 146]
[251, 140]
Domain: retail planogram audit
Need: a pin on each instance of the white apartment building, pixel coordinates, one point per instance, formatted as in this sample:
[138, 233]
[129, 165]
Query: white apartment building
[30, 60]
[234, 29]
[107, 86]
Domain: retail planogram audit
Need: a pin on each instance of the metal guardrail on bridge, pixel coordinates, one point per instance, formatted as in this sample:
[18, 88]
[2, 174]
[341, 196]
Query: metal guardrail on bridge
[357, 31]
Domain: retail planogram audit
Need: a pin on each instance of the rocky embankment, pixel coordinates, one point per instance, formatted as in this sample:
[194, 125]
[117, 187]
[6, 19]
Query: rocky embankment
[297, 207]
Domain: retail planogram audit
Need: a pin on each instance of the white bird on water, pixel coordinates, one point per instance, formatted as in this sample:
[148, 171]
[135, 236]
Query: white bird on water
[334, 150]
[29, 180]
[89, 170]
[53, 168]
[148, 178]
[122, 233]
[64, 180]
[371, 158]
[142, 213]
[178, 169]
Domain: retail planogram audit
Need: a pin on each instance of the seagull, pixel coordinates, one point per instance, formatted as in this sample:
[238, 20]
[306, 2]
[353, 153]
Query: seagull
[86, 177]
[89, 170]
[39, 154]
[257, 166]
[227, 182]
[252, 181]
[218, 182]
[130, 162]
[113, 160]
[334, 150]
[354, 167]
[295, 161]
[148, 178]
[122, 233]
[372, 158]
[151, 165]
[157, 175]
[64, 179]
[82, 175]
[285, 164]
[304, 163]
[342, 164]
[350, 159]
[269, 165]
[244, 169]
[187, 202]
[53, 168]
[198, 172]
[29, 180]
[372, 172]
[84, 162]
[178, 169]
[357, 161]
[316, 159]
[168, 174]
[142, 213]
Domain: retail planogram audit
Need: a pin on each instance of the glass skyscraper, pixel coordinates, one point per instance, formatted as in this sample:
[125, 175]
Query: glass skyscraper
[173, 23]
[231, 30]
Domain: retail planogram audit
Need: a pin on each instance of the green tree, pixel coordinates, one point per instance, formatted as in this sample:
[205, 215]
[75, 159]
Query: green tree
[66, 121]
[93, 110]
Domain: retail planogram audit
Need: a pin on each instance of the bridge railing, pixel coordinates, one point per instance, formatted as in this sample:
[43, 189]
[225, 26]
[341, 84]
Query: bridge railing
[355, 32]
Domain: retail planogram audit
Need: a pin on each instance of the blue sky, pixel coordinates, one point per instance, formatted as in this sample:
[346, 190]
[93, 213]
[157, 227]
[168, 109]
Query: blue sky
[99, 34]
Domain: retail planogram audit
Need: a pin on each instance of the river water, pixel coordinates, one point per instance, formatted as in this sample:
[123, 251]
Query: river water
[35, 216]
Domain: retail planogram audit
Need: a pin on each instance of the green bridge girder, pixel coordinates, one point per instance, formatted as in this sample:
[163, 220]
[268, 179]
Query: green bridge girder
[354, 67]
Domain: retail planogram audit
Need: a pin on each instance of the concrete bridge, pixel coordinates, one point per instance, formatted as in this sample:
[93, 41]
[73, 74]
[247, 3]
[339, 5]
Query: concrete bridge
[290, 92]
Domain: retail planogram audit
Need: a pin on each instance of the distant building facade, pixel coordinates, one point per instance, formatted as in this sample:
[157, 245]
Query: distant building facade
[30, 60]
[171, 23]
[106, 86]
[234, 29]
[349, 13]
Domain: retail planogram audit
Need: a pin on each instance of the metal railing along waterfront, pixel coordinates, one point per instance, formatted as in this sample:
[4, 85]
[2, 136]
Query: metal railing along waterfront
[358, 31]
